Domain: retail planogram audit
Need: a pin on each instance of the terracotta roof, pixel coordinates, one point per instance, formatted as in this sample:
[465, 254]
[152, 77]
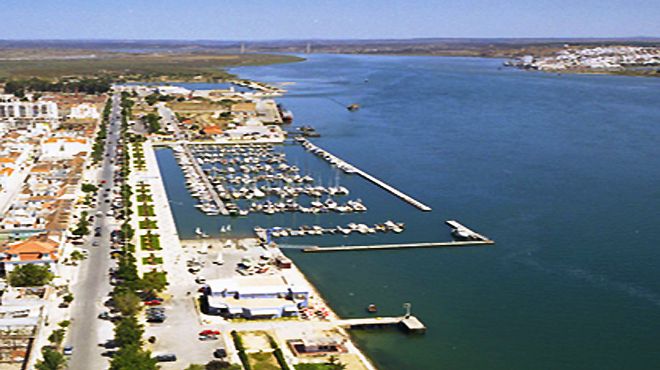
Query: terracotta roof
[32, 249]
[212, 130]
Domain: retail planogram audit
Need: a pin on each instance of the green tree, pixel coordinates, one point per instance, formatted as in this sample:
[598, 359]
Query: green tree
[29, 275]
[77, 256]
[52, 360]
[128, 332]
[127, 302]
[89, 188]
[154, 281]
[131, 357]
[83, 225]
[57, 336]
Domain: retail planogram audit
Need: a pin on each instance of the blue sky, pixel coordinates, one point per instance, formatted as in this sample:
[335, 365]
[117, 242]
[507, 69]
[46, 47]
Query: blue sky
[292, 19]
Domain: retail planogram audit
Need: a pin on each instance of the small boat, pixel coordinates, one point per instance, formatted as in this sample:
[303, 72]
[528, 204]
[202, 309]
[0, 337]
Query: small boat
[372, 308]
[353, 107]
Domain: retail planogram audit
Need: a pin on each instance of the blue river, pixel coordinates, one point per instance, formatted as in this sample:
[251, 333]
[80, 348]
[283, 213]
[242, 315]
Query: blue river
[562, 171]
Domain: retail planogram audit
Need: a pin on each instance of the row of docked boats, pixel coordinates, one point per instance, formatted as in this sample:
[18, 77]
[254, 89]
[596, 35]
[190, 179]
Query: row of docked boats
[257, 179]
[334, 160]
[315, 230]
[195, 183]
[290, 205]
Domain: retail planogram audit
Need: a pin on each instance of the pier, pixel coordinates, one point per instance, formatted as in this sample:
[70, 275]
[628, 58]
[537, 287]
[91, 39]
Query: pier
[410, 324]
[211, 190]
[463, 232]
[349, 168]
[347, 248]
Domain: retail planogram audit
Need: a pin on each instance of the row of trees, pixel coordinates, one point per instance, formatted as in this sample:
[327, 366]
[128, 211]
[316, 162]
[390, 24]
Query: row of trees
[130, 287]
[96, 85]
[99, 144]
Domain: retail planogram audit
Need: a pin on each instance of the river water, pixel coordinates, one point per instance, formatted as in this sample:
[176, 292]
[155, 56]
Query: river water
[562, 171]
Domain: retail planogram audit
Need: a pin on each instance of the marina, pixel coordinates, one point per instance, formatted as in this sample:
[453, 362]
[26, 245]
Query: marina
[256, 178]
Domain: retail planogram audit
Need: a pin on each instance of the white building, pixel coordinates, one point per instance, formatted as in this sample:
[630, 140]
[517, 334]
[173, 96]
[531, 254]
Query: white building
[84, 111]
[19, 114]
[56, 148]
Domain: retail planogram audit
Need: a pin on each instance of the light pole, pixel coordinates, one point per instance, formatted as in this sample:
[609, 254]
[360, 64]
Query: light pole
[408, 307]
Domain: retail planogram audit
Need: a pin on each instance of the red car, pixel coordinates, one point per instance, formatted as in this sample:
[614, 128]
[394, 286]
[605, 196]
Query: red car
[153, 302]
[209, 332]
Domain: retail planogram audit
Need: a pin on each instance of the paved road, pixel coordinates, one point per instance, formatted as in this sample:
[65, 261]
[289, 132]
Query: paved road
[92, 285]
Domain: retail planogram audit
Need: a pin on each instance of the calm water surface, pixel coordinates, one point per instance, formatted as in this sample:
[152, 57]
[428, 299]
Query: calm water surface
[562, 171]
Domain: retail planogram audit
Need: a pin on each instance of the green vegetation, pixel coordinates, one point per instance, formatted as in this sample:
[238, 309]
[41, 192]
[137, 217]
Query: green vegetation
[99, 142]
[52, 360]
[263, 361]
[195, 367]
[77, 256]
[30, 275]
[57, 336]
[152, 122]
[146, 211]
[83, 225]
[148, 224]
[215, 365]
[154, 281]
[144, 198]
[134, 66]
[89, 188]
[133, 357]
[156, 97]
[240, 347]
[83, 85]
[152, 259]
[128, 331]
[127, 302]
[333, 363]
[150, 242]
[313, 366]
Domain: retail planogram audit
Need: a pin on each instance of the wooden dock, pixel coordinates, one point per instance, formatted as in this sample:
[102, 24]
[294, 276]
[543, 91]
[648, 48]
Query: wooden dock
[344, 165]
[347, 248]
[409, 323]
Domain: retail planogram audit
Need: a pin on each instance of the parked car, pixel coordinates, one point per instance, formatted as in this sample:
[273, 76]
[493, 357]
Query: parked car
[68, 350]
[105, 315]
[220, 353]
[152, 302]
[167, 357]
[158, 319]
